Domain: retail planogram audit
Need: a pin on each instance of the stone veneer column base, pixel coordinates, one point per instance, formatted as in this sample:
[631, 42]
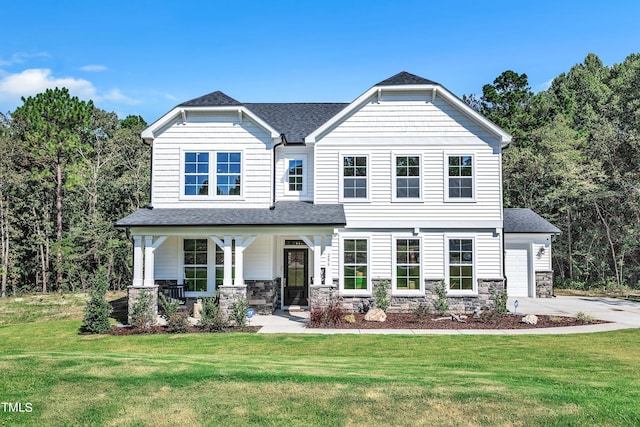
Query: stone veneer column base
[228, 295]
[544, 284]
[321, 295]
[263, 295]
[134, 294]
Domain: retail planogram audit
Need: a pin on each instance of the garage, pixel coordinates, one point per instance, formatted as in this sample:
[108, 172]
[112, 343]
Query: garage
[527, 253]
[517, 271]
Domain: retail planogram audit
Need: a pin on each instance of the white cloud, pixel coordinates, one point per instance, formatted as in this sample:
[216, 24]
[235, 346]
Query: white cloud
[94, 68]
[543, 86]
[115, 95]
[20, 57]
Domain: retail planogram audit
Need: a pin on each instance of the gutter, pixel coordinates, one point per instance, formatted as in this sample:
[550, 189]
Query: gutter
[283, 141]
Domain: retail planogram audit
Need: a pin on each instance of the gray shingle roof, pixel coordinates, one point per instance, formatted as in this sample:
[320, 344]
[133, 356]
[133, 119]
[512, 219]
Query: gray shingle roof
[285, 213]
[404, 78]
[296, 120]
[213, 99]
[519, 220]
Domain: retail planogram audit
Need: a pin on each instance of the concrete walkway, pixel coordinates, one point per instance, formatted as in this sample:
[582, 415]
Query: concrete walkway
[621, 314]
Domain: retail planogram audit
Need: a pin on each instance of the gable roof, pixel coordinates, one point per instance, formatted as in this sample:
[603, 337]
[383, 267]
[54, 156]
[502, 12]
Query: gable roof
[404, 78]
[301, 122]
[284, 213]
[520, 220]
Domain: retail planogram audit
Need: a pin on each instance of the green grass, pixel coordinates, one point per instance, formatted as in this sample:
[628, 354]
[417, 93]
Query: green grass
[249, 379]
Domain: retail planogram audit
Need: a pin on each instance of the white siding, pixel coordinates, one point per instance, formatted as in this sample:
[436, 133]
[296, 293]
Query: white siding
[212, 132]
[283, 154]
[541, 248]
[411, 124]
[167, 259]
[258, 259]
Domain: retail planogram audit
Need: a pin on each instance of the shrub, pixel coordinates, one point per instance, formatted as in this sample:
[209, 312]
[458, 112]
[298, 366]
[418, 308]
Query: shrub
[142, 313]
[239, 311]
[177, 321]
[380, 294]
[98, 310]
[500, 301]
[327, 317]
[440, 303]
[491, 316]
[211, 318]
[422, 311]
[584, 317]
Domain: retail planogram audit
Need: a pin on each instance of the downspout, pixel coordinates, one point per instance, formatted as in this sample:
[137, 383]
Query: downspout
[150, 204]
[283, 141]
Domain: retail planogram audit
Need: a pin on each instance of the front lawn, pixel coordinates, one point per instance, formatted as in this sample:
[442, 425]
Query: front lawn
[249, 379]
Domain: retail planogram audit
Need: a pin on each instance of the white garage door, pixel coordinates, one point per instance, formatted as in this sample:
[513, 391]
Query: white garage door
[516, 264]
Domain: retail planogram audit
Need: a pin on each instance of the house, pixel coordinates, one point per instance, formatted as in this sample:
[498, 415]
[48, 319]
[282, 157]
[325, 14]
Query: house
[291, 203]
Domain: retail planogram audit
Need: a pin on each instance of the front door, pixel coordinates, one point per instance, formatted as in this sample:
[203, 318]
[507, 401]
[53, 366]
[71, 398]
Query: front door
[295, 277]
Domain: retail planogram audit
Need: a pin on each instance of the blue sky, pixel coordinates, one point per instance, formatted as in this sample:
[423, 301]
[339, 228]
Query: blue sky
[144, 57]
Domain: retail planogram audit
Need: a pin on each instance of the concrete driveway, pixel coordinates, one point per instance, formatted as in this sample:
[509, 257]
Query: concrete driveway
[610, 309]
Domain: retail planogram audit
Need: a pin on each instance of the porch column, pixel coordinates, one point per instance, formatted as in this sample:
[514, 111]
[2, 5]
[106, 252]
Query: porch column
[328, 270]
[239, 279]
[317, 255]
[228, 260]
[138, 255]
[148, 261]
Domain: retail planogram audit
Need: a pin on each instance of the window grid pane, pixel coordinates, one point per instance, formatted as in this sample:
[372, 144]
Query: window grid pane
[407, 177]
[461, 264]
[295, 175]
[408, 264]
[460, 177]
[196, 174]
[195, 265]
[228, 174]
[355, 264]
[354, 173]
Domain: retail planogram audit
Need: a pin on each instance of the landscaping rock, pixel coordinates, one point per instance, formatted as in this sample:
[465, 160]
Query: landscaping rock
[375, 315]
[530, 319]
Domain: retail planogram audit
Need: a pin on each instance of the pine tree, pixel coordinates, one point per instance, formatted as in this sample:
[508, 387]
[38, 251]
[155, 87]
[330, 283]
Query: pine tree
[96, 317]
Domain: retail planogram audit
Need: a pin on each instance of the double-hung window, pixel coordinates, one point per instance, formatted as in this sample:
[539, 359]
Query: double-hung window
[460, 256]
[228, 173]
[195, 265]
[460, 177]
[355, 265]
[407, 177]
[407, 264]
[354, 175]
[296, 175]
[196, 174]
[204, 170]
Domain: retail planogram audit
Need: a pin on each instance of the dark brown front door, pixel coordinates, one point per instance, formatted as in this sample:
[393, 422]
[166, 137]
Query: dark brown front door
[295, 276]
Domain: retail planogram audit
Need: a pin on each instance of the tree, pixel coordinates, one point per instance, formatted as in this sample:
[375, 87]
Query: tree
[52, 127]
[98, 310]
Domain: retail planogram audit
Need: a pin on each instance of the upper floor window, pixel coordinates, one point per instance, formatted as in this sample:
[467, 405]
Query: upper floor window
[407, 177]
[461, 264]
[296, 175]
[460, 181]
[196, 174]
[228, 173]
[354, 173]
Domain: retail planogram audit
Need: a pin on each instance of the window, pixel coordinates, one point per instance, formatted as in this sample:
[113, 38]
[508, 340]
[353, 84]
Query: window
[220, 263]
[228, 173]
[460, 177]
[461, 264]
[354, 172]
[195, 265]
[408, 264]
[196, 174]
[407, 177]
[295, 173]
[355, 264]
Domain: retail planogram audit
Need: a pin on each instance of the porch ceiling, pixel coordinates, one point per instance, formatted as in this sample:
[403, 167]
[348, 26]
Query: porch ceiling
[284, 213]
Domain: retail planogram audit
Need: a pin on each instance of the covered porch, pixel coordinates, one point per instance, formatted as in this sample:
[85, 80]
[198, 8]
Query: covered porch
[250, 254]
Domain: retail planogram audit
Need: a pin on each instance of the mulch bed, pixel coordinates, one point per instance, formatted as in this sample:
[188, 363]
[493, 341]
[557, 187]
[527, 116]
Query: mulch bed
[506, 321]
[154, 330]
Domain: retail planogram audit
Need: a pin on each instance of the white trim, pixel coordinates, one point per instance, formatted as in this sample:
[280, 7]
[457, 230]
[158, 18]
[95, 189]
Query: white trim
[394, 178]
[149, 133]
[341, 198]
[394, 265]
[355, 292]
[375, 93]
[211, 278]
[453, 292]
[212, 181]
[474, 181]
[305, 174]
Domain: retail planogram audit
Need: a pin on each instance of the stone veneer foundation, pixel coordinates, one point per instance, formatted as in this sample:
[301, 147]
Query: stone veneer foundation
[320, 296]
[135, 292]
[228, 295]
[263, 295]
[544, 284]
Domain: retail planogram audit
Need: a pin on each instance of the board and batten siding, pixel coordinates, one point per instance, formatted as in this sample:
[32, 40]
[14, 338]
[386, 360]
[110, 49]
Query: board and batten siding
[212, 132]
[410, 124]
